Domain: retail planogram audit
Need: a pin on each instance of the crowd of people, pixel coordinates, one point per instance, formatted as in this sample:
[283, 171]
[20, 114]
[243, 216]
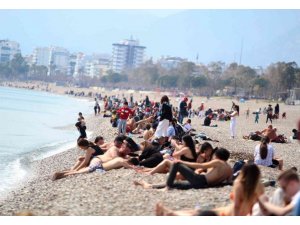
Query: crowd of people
[169, 145]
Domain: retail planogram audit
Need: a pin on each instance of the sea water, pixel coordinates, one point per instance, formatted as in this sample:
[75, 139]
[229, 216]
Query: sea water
[34, 125]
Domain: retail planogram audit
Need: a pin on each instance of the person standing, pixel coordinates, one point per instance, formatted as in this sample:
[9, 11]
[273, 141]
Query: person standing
[256, 116]
[247, 113]
[182, 110]
[189, 108]
[96, 107]
[201, 110]
[233, 116]
[276, 111]
[123, 116]
[269, 113]
[81, 126]
[165, 117]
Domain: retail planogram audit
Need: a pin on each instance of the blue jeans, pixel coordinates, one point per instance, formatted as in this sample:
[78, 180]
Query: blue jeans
[180, 117]
[122, 126]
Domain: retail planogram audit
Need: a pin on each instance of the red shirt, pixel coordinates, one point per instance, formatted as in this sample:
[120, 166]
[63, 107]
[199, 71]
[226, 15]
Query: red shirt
[124, 113]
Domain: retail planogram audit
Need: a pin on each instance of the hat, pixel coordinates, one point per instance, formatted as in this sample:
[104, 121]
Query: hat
[202, 102]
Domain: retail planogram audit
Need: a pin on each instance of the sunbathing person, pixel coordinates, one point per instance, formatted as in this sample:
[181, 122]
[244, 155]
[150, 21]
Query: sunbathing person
[108, 145]
[148, 133]
[91, 150]
[99, 140]
[141, 124]
[218, 171]
[130, 124]
[269, 132]
[264, 155]
[111, 159]
[185, 152]
[246, 191]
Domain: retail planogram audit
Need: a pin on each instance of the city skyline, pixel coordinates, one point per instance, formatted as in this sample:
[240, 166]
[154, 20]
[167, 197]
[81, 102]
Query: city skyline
[268, 36]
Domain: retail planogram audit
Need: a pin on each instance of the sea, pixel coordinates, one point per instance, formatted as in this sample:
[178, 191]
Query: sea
[34, 125]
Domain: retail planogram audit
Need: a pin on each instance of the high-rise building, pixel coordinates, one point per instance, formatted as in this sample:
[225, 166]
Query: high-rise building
[8, 49]
[96, 65]
[127, 54]
[55, 58]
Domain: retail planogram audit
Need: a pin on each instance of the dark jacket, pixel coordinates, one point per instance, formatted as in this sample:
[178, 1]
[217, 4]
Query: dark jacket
[166, 112]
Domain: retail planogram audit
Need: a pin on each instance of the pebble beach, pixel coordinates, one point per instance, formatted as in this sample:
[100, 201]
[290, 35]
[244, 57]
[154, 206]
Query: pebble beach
[113, 193]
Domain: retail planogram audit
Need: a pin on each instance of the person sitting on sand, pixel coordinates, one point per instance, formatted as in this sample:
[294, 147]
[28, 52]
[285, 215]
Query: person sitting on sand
[264, 155]
[148, 133]
[99, 140]
[218, 171]
[188, 125]
[186, 152]
[142, 123]
[91, 150]
[247, 189]
[111, 159]
[290, 183]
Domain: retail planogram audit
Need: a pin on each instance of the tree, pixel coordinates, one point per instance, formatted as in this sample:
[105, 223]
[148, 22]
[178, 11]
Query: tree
[18, 66]
[198, 82]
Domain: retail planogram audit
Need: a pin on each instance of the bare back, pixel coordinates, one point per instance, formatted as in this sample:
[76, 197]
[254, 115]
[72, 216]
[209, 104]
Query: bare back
[219, 173]
[110, 154]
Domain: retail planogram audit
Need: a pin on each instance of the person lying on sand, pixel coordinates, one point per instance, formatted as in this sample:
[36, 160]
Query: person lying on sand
[114, 158]
[269, 132]
[246, 191]
[218, 171]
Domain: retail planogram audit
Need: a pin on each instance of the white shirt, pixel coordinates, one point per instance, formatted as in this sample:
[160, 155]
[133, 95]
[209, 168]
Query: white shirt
[268, 160]
[188, 126]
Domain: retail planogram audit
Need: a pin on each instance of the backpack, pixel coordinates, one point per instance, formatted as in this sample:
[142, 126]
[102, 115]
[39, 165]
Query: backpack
[179, 131]
[237, 168]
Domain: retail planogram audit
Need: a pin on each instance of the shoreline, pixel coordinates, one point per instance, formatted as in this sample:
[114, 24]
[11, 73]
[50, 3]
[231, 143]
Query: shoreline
[42, 152]
[112, 193]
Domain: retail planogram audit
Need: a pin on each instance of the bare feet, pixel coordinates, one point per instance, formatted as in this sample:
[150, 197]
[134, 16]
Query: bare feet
[57, 175]
[142, 183]
[161, 210]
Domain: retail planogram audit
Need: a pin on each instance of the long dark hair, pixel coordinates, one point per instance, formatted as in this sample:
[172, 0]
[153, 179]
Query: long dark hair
[237, 108]
[164, 99]
[263, 149]
[189, 142]
[85, 143]
[250, 176]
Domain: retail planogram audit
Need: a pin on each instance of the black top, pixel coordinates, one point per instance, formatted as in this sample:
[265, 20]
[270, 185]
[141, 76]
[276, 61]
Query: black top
[166, 112]
[207, 121]
[184, 158]
[98, 150]
[182, 107]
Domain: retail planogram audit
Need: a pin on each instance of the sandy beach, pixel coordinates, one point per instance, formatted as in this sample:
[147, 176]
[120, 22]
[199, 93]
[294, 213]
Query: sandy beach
[113, 192]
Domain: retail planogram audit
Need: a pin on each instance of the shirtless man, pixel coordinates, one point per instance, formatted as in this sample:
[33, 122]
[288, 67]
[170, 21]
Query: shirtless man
[113, 158]
[142, 123]
[218, 171]
[269, 132]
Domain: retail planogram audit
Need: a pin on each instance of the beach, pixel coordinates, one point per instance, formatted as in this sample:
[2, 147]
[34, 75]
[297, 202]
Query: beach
[113, 192]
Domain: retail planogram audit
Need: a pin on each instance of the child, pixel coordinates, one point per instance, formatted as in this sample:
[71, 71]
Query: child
[256, 116]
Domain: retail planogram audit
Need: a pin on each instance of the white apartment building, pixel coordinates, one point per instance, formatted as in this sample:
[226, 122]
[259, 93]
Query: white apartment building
[55, 58]
[127, 54]
[170, 62]
[8, 49]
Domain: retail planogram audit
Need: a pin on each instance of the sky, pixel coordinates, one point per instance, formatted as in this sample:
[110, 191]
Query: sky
[254, 37]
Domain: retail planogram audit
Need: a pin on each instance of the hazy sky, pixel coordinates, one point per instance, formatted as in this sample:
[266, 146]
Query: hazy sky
[267, 35]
